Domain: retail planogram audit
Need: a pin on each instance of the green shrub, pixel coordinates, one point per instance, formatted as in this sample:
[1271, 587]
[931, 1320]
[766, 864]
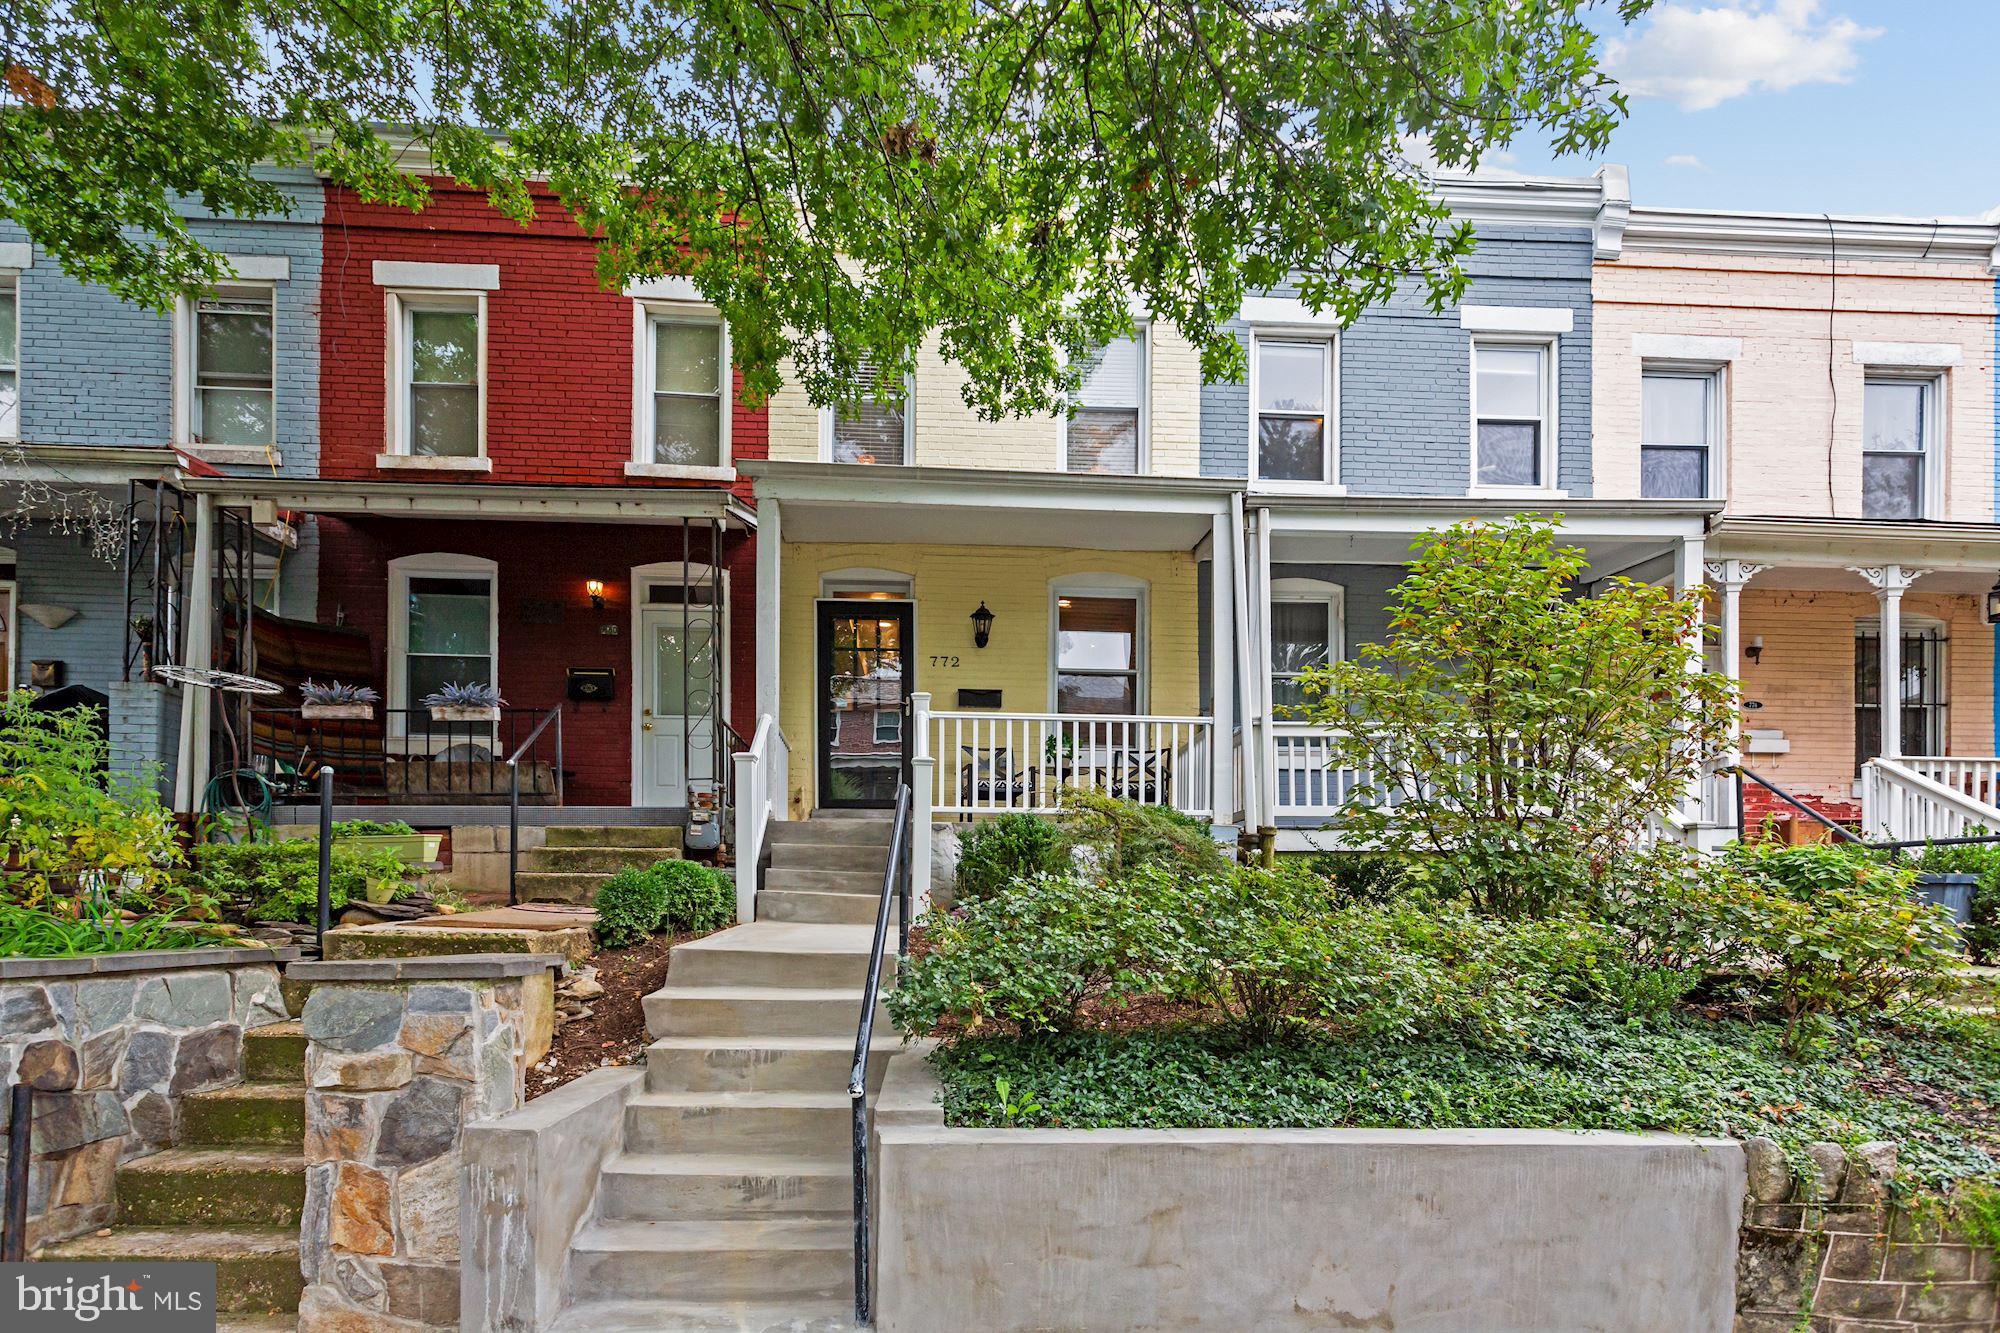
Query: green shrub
[1367, 877]
[279, 881]
[1120, 836]
[695, 897]
[631, 905]
[371, 828]
[996, 852]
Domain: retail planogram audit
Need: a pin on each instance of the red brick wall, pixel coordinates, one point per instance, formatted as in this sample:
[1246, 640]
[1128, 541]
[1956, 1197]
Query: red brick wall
[559, 347]
[544, 565]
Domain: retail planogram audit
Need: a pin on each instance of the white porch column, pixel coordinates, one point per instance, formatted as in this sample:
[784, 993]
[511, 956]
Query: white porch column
[1730, 576]
[1245, 660]
[1689, 576]
[770, 544]
[923, 791]
[1890, 583]
[1260, 683]
[1222, 668]
[198, 651]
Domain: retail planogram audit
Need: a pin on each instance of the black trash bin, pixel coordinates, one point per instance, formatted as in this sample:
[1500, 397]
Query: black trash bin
[1950, 890]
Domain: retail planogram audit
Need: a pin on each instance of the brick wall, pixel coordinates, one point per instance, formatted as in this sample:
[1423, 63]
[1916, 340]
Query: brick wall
[546, 621]
[1405, 387]
[1794, 397]
[98, 370]
[559, 347]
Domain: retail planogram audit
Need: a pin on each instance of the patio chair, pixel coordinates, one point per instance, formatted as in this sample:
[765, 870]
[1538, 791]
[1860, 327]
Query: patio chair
[987, 778]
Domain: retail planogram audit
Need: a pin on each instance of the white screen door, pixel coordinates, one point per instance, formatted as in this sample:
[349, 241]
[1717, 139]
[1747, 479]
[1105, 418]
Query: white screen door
[679, 684]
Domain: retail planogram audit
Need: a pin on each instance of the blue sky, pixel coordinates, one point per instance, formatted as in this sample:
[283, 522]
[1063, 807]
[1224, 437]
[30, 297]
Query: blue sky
[1843, 106]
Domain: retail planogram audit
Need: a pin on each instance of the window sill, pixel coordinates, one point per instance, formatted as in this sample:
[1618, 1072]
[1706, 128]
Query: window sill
[675, 472]
[1516, 493]
[255, 455]
[1333, 490]
[418, 463]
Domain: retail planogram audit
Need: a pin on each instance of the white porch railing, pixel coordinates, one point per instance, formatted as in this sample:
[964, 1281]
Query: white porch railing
[763, 794]
[1900, 802]
[989, 763]
[1977, 778]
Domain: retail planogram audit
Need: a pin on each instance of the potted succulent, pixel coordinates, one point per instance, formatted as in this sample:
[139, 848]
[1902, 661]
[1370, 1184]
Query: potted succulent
[475, 702]
[336, 699]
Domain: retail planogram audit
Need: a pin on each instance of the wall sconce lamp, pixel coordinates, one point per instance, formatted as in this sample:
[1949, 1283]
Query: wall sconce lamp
[1993, 603]
[1755, 651]
[982, 626]
[595, 587]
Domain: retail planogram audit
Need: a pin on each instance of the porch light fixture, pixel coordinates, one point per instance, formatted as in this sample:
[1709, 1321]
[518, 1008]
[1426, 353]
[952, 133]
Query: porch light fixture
[1755, 650]
[1993, 603]
[982, 626]
[595, 587]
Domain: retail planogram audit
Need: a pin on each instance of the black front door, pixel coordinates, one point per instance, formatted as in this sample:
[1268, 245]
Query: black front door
[864, 679]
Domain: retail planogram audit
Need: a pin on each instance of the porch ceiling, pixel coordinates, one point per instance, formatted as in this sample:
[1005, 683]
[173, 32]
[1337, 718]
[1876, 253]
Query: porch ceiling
[595, 504]
[1819, 555]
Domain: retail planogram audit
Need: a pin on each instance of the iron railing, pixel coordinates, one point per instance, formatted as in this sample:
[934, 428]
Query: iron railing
[896, 885]
[405, 756]
[527, 747]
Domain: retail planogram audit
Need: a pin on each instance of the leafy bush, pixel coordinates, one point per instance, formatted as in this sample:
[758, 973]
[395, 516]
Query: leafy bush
[371, 828]
[279, 881]
[631, 905]
[1368, 877]
[695, 897]
[996, 852]
[1118, 836]
[1524, 731]
[62, 819]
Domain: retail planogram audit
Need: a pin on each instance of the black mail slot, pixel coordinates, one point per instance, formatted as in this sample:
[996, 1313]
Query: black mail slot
[979, 698]
[592, 685]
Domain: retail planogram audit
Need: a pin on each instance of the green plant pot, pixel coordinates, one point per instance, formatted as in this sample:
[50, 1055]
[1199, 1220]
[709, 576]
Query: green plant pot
[416, 849]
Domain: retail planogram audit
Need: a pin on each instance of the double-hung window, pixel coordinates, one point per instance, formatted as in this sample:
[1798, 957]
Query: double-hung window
[10, 362]
[1306, 634]
[1898, 447]
[235, 371]
[888, 726]
[1097, 654]
[1106, 427]
[441, 396]
[444, 626]
[1677, 439]
[1294, 405]
[864, 429]
[1511, 414]
[688, 402]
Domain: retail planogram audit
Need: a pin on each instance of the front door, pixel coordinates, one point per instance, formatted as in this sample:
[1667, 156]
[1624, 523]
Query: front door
[864, 680]
[679, 690]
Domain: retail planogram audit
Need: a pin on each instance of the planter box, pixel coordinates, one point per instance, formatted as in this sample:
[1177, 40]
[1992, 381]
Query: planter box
[1951, 891]
[338, 712]
[460, 713]
[416, 849]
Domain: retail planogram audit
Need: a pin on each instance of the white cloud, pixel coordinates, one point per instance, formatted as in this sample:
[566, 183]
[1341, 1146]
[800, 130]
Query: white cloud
[1688, 160]
[1699, 56]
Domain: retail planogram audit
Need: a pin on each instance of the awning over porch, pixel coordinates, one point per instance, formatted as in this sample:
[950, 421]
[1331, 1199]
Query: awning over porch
[405, 499]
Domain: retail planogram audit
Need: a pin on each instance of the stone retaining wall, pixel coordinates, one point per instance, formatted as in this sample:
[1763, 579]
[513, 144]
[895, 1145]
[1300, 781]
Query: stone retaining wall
[1833, 1254]
[114, 1042]
[400, 1055]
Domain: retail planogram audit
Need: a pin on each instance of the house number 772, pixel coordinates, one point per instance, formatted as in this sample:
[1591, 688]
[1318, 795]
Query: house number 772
[944, 660]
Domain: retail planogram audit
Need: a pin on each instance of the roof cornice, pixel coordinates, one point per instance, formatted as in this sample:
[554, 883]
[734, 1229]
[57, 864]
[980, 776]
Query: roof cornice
[1814, 235]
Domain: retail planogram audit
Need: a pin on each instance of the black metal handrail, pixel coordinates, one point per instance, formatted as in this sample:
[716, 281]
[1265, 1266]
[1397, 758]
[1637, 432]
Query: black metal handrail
[896, 883]
[398, 755]
[514, 793]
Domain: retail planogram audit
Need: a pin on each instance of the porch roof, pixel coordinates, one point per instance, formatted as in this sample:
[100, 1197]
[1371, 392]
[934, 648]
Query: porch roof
[1822, 553]
[835, 502]
[595, 504]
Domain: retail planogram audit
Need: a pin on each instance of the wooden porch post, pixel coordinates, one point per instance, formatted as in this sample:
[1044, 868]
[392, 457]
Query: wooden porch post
[198, 651]
[1222, 669]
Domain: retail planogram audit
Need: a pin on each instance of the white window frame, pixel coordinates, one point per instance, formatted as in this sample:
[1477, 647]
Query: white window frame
[838, 585]
[647, 316]
[826, 415]
[11, 608]
[1104, 585]
[398, 306]
[1315, 592]
[10, 282]
[1329, 480]
[1930, 495]
[433, 564]
[894, 715]
[1142, 333]
[1716, 482]
[1550, 349]
[187, 352]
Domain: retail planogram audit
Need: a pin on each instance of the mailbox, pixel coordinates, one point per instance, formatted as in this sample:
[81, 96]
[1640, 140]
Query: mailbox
[979, 698]
[592, 685]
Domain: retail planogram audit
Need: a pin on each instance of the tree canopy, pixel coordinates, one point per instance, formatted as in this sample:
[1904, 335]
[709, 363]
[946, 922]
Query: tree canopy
[842, 179]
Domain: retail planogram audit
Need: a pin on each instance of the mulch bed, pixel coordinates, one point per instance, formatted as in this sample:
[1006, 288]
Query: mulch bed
[615, 1032]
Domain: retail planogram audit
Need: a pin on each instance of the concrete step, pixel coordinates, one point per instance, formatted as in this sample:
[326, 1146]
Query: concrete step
[864, 882]
[662, 1187]
[275, 1053]
[776, 953]
[613, 835]
[256, 1269]
[805, 1124]
[249, 1113]
[755, 1011]
[560, 886]
[762, 1064]
[869, 857]
[834, 813]
[762, 1258]
[213, 1187]
[817, 906]
[829, 832]
[796, 1316]
[599, 860]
